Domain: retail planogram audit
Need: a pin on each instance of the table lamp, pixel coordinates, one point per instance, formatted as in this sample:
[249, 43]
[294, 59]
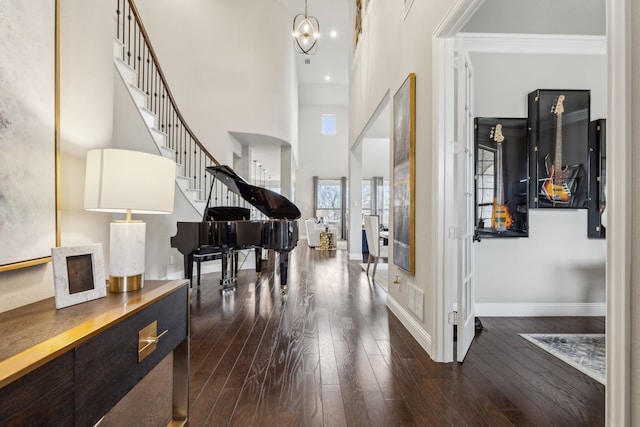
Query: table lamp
[124, 181]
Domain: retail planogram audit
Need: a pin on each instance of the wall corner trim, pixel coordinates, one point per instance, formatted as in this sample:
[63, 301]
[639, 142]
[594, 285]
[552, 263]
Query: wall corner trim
[534, 43]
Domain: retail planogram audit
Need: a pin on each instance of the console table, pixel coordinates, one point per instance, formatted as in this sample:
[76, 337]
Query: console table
[72, 366]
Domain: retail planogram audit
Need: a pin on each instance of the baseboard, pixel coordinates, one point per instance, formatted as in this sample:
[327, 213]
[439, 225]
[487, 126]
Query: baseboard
[539, 309]
[355, 256]
[414, 328]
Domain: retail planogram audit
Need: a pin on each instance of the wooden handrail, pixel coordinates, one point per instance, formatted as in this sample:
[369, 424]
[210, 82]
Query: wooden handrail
[152, 52]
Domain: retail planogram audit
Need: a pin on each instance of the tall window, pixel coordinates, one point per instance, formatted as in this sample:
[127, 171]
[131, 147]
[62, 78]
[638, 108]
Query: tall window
[366, 197]
[375, 198]
[383, 201]
[328, 124]
[330, 202]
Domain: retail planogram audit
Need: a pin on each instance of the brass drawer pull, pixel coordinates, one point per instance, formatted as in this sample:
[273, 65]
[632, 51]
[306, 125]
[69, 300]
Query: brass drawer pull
[148, 340]
[152, 340]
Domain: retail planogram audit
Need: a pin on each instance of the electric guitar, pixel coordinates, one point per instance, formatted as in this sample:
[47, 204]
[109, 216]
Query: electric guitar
[556, 187]
[500, 218]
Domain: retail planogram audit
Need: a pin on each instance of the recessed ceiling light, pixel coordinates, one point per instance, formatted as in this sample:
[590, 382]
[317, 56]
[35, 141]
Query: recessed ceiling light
[333, 34]
[327, 78]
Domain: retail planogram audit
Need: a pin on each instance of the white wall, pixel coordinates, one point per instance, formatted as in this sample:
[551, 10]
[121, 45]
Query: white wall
[323, 156]
[557, 263]
[539, 17]
[229, 65]
[390, 48]
[86, 85]
[245, 93]
[376, 157]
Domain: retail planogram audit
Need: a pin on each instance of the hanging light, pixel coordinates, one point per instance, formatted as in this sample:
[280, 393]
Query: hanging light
[306, 31]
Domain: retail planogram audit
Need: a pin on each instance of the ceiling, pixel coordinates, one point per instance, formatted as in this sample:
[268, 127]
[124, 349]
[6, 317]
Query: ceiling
[331, 59]
[332, 56]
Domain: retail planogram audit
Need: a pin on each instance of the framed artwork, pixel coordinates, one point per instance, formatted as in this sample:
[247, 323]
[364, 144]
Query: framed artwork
[404, 142]
[501, 177]
[559, 148]
[28, 132]
[78, 274]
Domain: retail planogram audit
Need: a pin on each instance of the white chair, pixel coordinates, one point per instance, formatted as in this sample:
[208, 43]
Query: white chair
[313, 231]
[372, 233]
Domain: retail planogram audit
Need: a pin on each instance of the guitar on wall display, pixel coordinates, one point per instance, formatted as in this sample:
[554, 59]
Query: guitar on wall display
[557, 186]
[500, 218]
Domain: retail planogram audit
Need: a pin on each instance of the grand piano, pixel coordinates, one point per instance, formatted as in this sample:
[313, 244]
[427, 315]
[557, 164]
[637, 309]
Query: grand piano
[224, 230]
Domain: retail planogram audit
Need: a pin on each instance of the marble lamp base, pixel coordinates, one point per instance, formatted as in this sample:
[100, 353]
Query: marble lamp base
[126, 256]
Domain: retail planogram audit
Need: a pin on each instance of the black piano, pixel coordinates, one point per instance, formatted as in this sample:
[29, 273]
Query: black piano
[224, 230]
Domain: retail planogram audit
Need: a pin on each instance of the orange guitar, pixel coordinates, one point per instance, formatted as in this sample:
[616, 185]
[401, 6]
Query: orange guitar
[556, 187]
[500, 218]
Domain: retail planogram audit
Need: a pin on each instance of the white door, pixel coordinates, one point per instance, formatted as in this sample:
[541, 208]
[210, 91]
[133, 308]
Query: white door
[465, 205]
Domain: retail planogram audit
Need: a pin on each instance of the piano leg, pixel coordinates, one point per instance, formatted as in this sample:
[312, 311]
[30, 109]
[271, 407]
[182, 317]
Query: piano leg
[284, 265]
[235, 265]
[188, 268]
[258, 253]
[198, 269]
[229, 270]
[223, 271]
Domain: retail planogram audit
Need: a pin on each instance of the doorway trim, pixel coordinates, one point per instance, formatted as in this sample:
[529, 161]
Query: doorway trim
[618, 274]
[354, 240]
[618, 278]
[443, 134]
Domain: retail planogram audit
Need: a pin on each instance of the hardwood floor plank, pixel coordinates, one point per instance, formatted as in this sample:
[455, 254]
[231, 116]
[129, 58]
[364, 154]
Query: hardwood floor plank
[330, 353]
[328, 365]
[221, 413]
[355, 408]
[476, 409]
[268, 405]
[333, 413]
[246, 402]
[388, 385]
[203, 405]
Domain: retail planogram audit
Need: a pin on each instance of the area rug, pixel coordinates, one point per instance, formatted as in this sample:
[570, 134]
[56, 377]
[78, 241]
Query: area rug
[585, 352]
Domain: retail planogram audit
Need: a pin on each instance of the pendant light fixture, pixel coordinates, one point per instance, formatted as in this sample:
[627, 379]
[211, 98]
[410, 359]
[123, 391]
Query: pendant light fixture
[306, 31]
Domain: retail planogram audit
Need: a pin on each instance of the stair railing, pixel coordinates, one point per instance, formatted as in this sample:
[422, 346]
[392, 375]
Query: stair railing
[138, 53]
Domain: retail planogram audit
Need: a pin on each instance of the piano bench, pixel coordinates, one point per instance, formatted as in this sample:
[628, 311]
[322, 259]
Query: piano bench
[199, 259]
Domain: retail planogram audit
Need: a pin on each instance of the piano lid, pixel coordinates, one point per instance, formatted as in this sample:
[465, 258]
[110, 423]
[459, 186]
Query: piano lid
[268, 202]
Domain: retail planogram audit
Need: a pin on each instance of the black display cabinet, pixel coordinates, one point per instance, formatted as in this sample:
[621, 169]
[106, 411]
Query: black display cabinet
[501, 177]
[559, 148]
[597, 177]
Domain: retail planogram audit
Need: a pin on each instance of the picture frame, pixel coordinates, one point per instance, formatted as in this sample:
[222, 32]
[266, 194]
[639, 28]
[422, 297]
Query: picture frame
[78, 274]
[29, 124]
[501, 177]
[559, 141]
[404, 136]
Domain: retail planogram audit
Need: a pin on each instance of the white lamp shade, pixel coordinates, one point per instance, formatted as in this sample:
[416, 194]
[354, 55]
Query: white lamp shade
[121, 180]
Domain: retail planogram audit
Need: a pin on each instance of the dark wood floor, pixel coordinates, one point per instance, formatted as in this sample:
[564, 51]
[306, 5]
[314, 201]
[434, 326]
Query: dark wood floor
[330, 353]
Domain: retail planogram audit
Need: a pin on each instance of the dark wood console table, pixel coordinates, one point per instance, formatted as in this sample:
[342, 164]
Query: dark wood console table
[71, 366]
